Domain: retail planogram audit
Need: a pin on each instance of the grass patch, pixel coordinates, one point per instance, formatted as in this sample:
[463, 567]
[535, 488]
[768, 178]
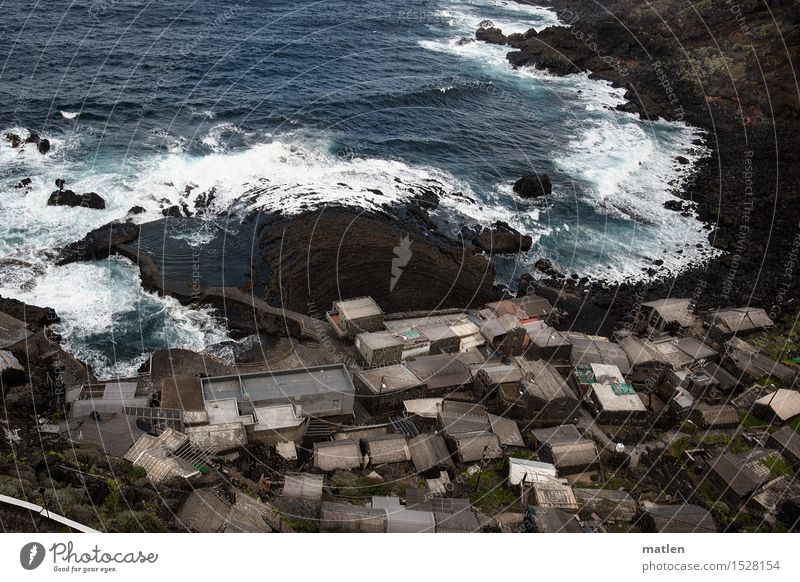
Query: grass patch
[750, 421]
[777, 465]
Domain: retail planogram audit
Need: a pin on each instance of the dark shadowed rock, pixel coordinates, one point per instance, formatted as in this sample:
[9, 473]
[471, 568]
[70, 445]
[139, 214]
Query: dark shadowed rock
[173, 211]
[13, 139]
[44, 146]
[24, 183]
[543, 265]
[322, 256]
[491, 35]
[136, 210]
[533, 186]
[33, 138]
[99, 243]
[502, 240]
[69, 198]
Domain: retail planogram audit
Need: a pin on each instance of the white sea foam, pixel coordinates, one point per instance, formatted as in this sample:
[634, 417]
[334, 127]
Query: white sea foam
[105, 299]
[70, 114]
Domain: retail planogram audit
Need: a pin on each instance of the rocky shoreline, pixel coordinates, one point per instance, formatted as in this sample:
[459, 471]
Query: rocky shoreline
[747, 190]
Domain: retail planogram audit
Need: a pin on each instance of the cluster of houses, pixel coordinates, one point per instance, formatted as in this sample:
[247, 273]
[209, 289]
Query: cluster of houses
[435, 401]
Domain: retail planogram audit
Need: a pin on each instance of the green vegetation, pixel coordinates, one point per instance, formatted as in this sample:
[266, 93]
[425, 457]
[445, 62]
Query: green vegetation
[346, 484]
[750, 421]
[777, 465]
[737, 444]
[489, 490]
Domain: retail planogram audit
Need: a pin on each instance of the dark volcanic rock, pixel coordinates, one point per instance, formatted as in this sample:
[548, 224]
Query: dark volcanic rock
[173, 211]
[322, 256]
[501, 241]
[533, 186]
[543, 265]
[99, 243]
[33, 138]
[69, 198]
[136, 210]
[13, 139]
[44, 146]
[491, 35]
[23, 183]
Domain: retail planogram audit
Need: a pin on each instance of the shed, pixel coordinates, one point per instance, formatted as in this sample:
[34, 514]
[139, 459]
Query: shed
[617, 402]
[684, 518]
[380, 348]
[442, 338]
[423, 407]
[384, 389]
[567, 449]
[429, 451]
[525, 307]
[506, 430]
[543, 395]
[490, 377]
[476, 446]
[647, 362]
[725, 323]
[555, 493]
[696, 350]
[303, 486]
[389, 448]
[400, 519]
[203, 512]
[350, 317]
[524, 471]
[610, 505]
[343, 517]
[444, 372]
[752, 362]
[463, 521]
[737, 477]
[787, 442]
[452, 422]
[781, 405]
[594, 351]
[332, 455]
[548, 344]
[716, 417]
[550, 520]
[505, 334]
[657, 316]
[768, 502]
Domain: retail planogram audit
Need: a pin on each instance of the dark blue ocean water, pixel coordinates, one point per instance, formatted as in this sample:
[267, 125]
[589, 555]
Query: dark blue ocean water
[312, 103]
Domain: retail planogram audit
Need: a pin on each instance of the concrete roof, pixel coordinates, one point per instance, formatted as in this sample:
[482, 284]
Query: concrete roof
[377, 340]
[358, 308]
[785, 404]
[520, 470]
[445, 370]
[389, 379]
[182, 392]
[609, 401]
[12, 330]
[673, 309]
[279, 385]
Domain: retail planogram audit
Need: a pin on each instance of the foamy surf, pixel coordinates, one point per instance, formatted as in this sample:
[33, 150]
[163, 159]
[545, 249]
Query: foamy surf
[70, 114]
[110, 322]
